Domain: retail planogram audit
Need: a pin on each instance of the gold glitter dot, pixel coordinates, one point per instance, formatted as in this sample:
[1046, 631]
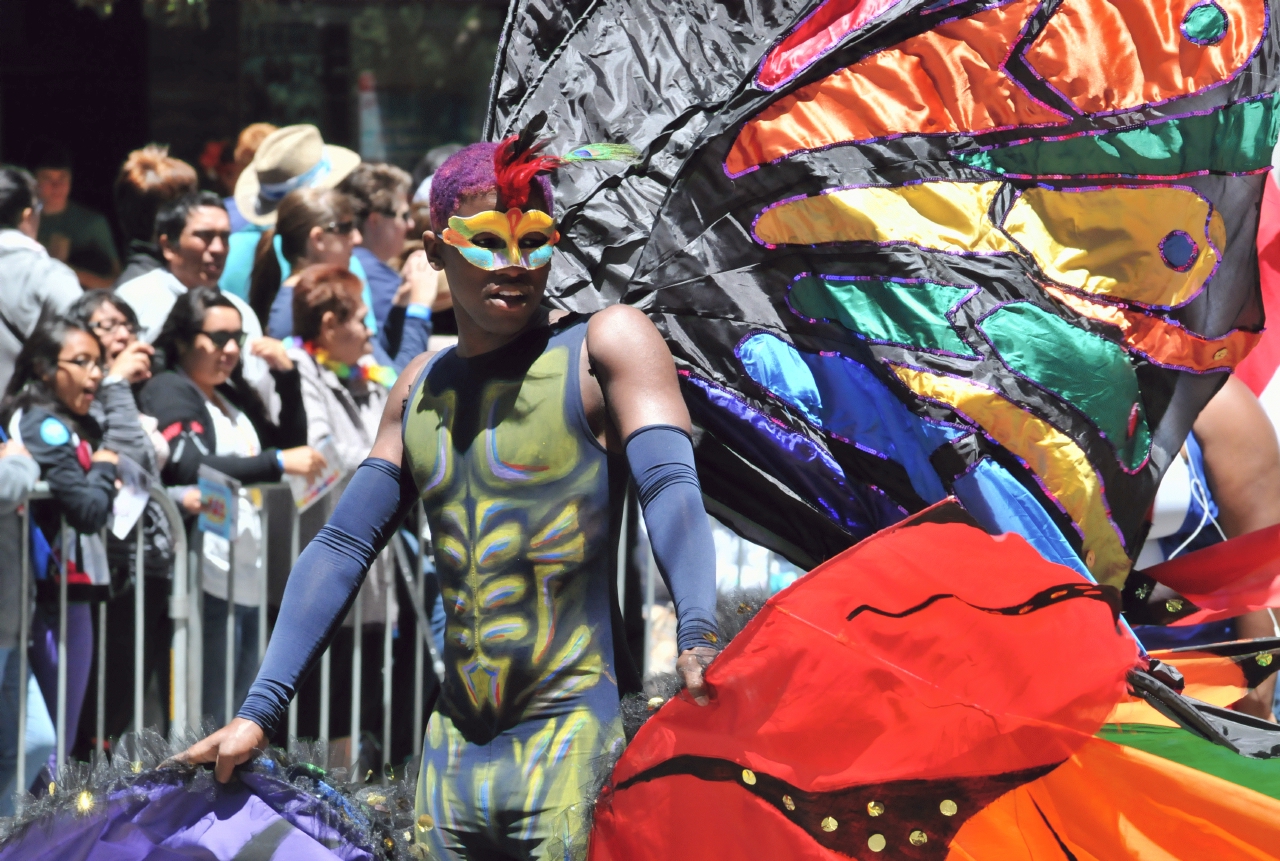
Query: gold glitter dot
[876, 842]
[1089, 558]
[948, 807]
[389, 843]
[1264, 660]
[655, 702]
[408, 835]
[874, 808]
[829, 824]
[710, 637]
[53, 787]
[1173, 605]
[375, 799]
[136, 767]
[1220, 355]
[744, 608]
[918, 838]
[84, 801]
[748, 777]
[788, 802]
[426, 823]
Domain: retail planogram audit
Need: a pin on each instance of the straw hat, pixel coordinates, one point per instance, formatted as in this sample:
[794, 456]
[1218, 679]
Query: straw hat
[288, 159]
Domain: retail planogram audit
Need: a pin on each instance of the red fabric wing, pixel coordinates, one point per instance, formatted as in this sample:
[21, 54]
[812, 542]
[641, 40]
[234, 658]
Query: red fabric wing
[822, 702]
[1227, 579]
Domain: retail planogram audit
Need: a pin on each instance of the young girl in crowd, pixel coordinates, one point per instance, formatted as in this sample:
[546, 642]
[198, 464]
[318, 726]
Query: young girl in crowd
[55, 382]
[211, 416]
[315, 226]
[128, 432]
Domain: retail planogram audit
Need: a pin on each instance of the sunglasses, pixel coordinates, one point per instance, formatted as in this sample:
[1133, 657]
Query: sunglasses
[221, 338]
[340, 227]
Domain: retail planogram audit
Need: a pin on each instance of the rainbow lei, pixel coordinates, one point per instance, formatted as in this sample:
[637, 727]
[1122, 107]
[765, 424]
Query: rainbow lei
[380, 374]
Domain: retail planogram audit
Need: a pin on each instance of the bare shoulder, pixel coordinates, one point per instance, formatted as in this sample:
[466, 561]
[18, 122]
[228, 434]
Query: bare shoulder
[621, 335]
[388, 445]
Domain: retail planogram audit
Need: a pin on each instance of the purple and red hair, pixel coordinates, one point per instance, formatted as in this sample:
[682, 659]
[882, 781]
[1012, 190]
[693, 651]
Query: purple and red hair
[484, 167]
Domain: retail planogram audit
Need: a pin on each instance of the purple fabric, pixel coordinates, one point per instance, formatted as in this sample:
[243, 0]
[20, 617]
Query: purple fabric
[466, 173]
[44, 661]
[170, 821]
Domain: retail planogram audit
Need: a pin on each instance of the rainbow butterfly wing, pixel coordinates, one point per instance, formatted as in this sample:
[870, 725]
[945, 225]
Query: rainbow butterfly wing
[901, 251]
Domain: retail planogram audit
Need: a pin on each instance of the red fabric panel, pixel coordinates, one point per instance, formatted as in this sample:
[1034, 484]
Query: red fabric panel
[1260, 365]
[815, 36]
[823, 702]
[1227, 579]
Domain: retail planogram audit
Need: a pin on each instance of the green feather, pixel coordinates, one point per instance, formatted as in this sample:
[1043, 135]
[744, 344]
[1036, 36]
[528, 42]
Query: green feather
[602, 152]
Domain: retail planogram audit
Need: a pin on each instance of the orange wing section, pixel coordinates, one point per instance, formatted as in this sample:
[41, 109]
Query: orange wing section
[950, 79]
[1109, 801]
[1212, 679]
[1164, 341]
[1111, 55]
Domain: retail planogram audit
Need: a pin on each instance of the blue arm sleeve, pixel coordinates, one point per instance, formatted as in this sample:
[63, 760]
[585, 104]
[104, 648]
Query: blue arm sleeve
[324, 583]
[661, 460]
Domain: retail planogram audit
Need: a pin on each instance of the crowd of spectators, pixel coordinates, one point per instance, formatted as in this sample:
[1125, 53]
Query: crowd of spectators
[247, 333]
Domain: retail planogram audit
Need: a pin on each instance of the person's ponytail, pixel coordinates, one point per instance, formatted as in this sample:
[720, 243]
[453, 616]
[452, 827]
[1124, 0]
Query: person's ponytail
[264, 282]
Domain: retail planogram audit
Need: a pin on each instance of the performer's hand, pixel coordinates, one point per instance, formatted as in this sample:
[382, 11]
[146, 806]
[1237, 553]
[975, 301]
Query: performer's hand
[237, 742]
[690, 665]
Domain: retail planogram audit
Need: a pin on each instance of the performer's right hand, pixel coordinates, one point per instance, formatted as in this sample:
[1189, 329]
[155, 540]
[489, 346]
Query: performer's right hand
[237, 742]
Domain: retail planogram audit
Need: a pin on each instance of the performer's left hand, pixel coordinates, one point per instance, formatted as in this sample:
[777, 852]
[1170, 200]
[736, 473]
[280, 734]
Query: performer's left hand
[690, 666]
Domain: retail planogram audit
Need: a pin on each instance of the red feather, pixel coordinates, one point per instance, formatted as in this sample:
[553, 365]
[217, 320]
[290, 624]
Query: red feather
[515, 167]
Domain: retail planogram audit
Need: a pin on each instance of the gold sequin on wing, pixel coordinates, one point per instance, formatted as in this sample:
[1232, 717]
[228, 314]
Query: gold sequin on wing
[918, 838]
[829, 824]
[874, 808]
[788, 802]
[748, 777]
[876, 842]
[948, 807]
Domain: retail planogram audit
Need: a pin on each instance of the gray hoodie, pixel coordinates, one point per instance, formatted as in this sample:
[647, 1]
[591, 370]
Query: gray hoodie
[17, 475]
[29, 280]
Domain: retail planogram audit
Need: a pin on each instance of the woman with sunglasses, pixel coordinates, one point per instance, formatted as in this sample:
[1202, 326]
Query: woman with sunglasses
[212, 417]
[315, 226]
[55, 381]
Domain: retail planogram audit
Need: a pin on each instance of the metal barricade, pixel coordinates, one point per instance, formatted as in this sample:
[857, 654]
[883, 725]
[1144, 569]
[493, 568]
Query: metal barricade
[66, 538]
[186, 612]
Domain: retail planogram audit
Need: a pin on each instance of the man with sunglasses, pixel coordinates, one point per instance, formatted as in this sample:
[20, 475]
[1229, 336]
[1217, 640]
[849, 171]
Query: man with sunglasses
[381, 193]
[518, 442]
[192, 232]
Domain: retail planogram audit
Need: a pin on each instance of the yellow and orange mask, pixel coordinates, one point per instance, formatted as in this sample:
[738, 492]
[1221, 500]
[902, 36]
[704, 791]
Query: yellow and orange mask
[495, 240]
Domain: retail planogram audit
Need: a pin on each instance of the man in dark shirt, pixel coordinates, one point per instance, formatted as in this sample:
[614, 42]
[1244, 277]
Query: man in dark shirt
[72, 233]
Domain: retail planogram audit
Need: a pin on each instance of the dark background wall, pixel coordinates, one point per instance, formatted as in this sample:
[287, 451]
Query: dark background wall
[67, 74]
[105, 85]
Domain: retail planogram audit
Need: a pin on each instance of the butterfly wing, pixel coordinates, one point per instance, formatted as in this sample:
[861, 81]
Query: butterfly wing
[902, 250]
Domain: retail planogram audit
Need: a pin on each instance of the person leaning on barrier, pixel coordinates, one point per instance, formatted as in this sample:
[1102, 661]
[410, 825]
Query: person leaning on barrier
[211, 416]
[46, 409]
[127, 431]
[18, 474]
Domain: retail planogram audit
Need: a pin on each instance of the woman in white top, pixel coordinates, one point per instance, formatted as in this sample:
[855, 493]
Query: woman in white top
[212, 417]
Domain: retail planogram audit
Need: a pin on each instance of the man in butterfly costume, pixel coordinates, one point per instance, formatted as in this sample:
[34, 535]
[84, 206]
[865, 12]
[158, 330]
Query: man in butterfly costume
[946, 283]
